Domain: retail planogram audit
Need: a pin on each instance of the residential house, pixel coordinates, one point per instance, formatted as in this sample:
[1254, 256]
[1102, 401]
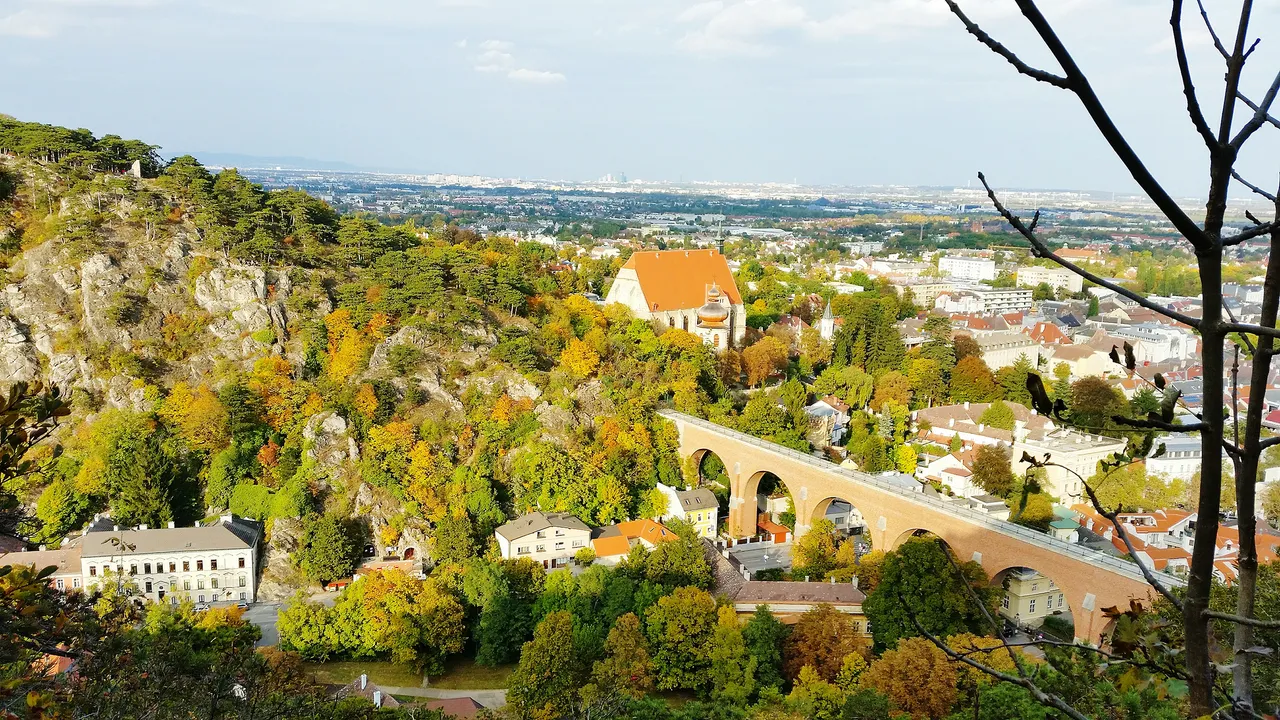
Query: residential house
[551, 539]
[614, 542]
[1083, 360]
[1058, 278]
[1030, 597]
[66, 560]
[830, 419]
[973, 269]
[1003, 348]
[789, 600]
[696, 506]
[1181, 459]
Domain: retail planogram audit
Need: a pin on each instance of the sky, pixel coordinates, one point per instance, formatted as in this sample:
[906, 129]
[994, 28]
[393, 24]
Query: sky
[841, 92]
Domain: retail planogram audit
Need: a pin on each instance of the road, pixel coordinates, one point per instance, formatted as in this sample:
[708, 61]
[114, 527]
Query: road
[264, 616]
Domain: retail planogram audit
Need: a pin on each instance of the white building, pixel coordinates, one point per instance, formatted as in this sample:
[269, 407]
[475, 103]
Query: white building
[973, 269]
[1181, 459]
[688, 289]
[1058, 278]
[551, 539]
[209, 563]
[1002, 348]
[1071, 452]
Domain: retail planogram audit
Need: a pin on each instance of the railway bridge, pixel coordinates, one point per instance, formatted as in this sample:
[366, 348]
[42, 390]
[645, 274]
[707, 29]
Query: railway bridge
[1089, 580]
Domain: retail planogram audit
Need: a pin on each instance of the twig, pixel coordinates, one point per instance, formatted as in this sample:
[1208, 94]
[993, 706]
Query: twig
[1261, 115]
[1039, 249]
[1252, 187]
[1248, 343]
[1254, 106]
[1251, 622]
[1250, 233]
[1149, 424]
[1035, 73]
[1217, 42]
[1188, 84]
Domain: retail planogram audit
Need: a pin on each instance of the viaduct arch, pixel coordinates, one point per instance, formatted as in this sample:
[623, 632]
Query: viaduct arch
[1089, 580]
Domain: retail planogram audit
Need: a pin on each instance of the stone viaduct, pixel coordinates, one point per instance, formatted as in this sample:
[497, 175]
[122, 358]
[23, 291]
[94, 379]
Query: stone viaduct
[1089, 580]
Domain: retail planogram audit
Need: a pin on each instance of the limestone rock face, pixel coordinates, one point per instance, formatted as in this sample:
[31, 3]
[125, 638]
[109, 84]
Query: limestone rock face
[100, 280]
[280, 579]
[236, 290]
[328, 440]
[18, 361]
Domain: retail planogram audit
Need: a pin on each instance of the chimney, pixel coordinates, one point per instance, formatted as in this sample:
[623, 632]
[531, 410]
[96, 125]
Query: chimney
[833, 580]
[115, 528]
[854, 581]
[197, 523]
[982, 427]
[966, 404]
[142, 526]
[171, 525]
[364, 680]
[951, 422]
[377, 698]
[42, 548]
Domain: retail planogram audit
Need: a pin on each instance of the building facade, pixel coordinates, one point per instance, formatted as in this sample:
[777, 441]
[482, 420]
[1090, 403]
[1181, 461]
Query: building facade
[696, 506]
[551, 539]
[1058, 278]
[692, 290]
[1030, 597]
[972, 269]
[206, 563]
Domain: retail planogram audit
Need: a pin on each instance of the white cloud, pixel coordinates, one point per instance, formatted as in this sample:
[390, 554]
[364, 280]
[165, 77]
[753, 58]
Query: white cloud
[540, 77]
[30, 24]
[47, 18]
[755, 27]
[497, 57]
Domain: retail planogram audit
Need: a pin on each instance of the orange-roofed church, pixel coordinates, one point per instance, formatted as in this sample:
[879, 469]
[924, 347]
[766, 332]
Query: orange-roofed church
[688, 289]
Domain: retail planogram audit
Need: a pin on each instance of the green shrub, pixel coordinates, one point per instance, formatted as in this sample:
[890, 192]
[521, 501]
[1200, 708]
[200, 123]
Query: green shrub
[251, 501]
[266, 336]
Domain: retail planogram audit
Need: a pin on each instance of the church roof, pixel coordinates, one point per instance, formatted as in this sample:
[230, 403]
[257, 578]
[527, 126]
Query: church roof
[678, 279]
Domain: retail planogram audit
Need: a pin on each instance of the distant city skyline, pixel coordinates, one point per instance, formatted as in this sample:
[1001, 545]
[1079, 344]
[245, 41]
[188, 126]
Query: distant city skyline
[818, 92]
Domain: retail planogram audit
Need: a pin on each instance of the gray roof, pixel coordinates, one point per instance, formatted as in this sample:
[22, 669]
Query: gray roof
[230, 533]
[67, 559]
[697, 499]
[533, 522]
[767, 591]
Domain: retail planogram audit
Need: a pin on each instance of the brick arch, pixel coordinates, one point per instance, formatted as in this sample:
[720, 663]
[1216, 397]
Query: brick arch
[1089, 582]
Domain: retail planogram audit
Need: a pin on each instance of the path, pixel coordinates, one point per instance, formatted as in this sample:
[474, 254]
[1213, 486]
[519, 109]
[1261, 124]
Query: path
[487, 698]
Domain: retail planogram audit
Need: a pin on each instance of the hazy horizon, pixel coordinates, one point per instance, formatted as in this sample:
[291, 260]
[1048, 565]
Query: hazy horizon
[816, 92]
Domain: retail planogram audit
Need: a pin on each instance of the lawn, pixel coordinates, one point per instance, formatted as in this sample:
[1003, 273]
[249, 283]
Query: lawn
[460, 674]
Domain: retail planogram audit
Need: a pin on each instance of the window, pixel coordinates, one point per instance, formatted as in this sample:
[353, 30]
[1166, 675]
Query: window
[173, 599]
[542, 548]
[213, 582]
[93, 571]
[242, 582]
[60, 584]
[213, 564]
[148, 590]
[540, 535]
[201, 598]
[186, 584]
[560, 545]
[75, 582]
[199, 565]
[1031, 606]
[133, 569]
[577, 543]
[146, 568]
[523, 550]
[244, 596]
[200, 584]
[559, 532]
[241, 562]
[173, 567]
[1035, 587]
[1004, 602]
[186, 566]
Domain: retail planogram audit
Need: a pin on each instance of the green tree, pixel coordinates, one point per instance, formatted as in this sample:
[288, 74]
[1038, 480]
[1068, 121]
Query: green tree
[764, 636]
[998, 415]
[505, 623]
[626, 666]
[681, 630]
[545, 682]
[733, 667]
[329, 549]
[920, 583]
[992, 470]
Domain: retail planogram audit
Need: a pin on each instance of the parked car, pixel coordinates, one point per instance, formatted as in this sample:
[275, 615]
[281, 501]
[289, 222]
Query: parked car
[202, 607]
[242, 605]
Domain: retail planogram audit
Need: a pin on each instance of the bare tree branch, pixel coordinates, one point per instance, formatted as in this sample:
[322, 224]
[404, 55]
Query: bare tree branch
[1254, 106]
[1149, 424]
[1247, 342]
[1188, 85]
[1039, 249]
[1257, 190]
[1119, 145]
[1251, 622]
[1261, 115]
[1035, 73]
[1209, 26]
[1249, 234]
